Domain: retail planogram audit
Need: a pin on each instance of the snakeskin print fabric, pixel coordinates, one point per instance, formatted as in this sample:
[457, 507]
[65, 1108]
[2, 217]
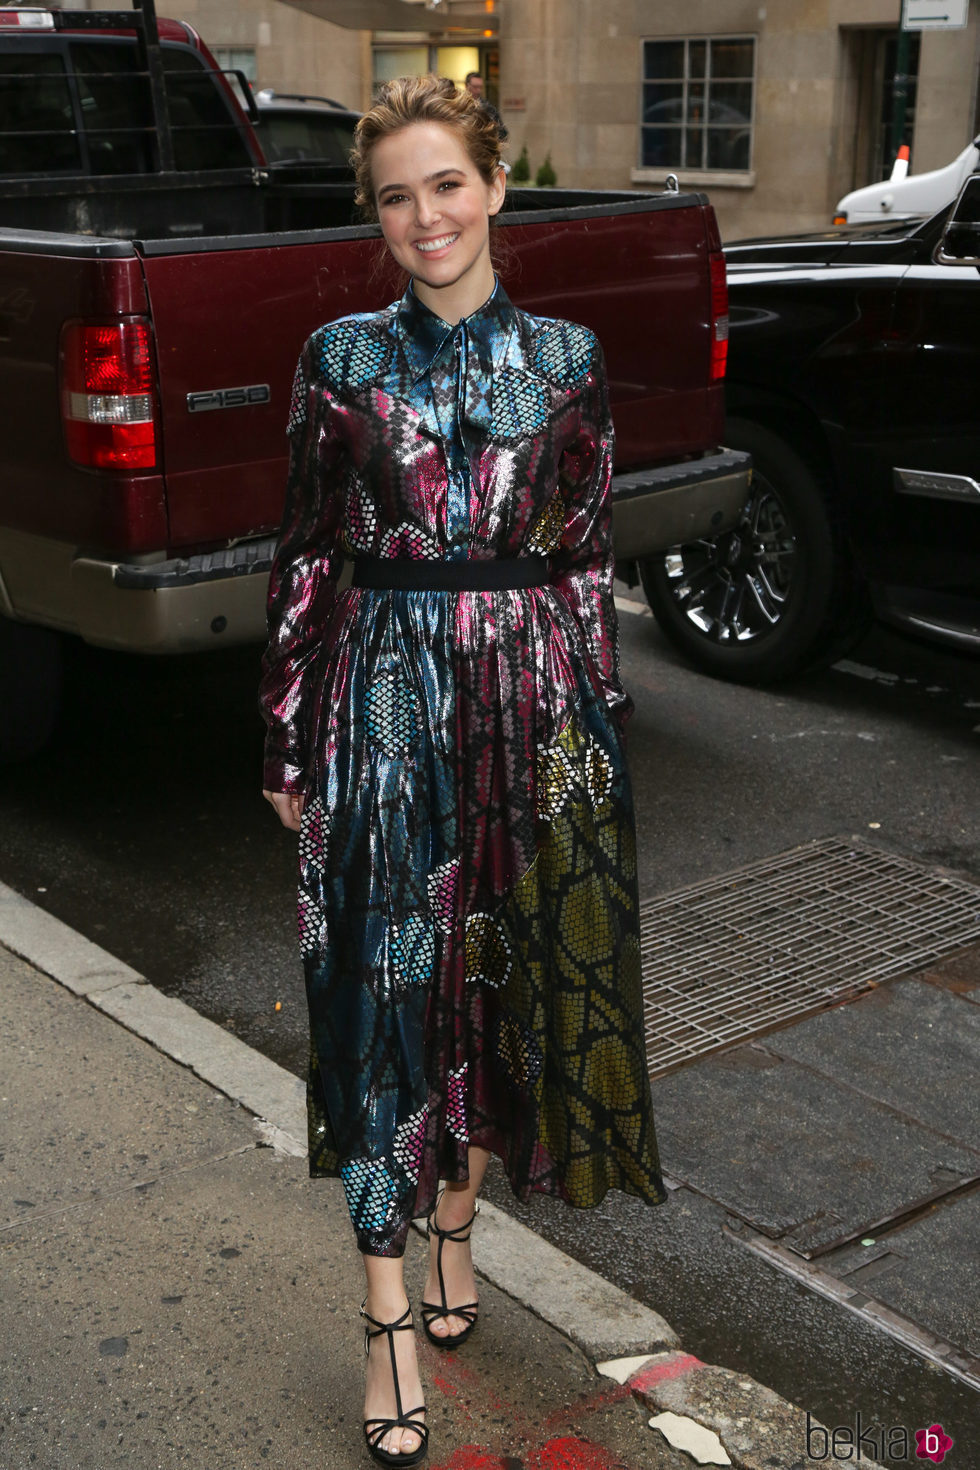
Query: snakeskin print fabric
[467, 897]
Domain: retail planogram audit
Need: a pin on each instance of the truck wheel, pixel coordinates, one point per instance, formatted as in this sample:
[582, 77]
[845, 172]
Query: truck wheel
[30, 688]
[772, 597]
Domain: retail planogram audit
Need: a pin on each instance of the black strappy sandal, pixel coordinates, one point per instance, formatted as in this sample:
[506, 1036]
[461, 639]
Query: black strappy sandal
[431, 1312]
[376, 1429]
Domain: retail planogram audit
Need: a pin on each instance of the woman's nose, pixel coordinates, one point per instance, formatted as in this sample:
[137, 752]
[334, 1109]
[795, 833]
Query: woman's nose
[426, 211]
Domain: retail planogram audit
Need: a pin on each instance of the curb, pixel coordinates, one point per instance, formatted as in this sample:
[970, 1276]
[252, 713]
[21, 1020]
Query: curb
[758, 1429]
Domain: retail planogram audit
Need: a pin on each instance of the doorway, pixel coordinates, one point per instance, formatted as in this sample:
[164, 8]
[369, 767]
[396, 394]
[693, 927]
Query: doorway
[867, 97]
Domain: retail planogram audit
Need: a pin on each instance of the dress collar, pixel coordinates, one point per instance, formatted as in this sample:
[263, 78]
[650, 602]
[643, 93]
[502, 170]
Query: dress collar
[422, 333]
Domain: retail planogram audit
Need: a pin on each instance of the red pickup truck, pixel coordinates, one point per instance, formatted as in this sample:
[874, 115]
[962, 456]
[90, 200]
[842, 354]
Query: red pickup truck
[157, 280]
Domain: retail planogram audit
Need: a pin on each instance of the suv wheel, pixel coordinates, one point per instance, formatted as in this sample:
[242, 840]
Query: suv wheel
[775, 595]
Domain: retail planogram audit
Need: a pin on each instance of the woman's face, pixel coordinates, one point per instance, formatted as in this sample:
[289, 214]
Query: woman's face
[435, 206]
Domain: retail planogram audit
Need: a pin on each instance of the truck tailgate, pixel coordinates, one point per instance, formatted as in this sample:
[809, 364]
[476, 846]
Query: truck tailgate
[230, 318]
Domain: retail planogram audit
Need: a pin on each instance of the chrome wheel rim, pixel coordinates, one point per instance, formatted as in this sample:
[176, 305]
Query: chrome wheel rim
[734, 589]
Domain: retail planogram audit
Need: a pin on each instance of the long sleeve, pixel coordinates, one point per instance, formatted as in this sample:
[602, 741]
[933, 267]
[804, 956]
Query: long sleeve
[303, 582]
[584, 563]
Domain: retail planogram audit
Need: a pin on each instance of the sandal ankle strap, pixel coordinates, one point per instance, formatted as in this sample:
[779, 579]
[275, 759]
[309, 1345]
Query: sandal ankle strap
[404, 1323]
[457, 1235]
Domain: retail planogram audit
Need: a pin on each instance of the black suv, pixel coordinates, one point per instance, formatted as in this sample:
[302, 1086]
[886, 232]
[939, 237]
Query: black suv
[296, 129]
[853, 378]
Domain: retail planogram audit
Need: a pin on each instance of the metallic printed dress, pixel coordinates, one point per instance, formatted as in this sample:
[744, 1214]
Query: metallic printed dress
[468, 896]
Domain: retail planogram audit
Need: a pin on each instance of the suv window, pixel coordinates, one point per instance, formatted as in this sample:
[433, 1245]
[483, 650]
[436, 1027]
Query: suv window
[206, 133]
[312, 135]
[37, 122]
[38, 131]
[116, 106]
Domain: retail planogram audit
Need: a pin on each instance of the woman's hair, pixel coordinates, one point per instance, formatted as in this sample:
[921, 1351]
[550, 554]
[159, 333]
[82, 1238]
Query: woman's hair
[408, 100]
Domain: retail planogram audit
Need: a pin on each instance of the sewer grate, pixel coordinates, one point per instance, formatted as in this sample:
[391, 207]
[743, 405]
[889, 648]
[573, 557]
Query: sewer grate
[779, 939]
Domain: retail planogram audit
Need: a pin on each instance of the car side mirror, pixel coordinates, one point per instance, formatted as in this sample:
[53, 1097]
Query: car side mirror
[959, 243]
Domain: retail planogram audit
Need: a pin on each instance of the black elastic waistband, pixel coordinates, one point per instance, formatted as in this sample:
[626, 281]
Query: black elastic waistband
[494, 574]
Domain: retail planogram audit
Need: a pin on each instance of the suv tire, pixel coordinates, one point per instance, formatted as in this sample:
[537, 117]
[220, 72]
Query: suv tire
[776, 595]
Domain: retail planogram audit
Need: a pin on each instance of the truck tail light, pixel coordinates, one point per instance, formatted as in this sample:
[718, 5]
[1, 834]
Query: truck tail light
[108, 394]
[719, 315]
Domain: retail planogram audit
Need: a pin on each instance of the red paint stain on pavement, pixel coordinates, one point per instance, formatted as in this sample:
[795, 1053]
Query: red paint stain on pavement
[450, 1391]
[572, 1453]
[471, 1396]
[568, 1453]
[592, 1405]
[473, 1380]
[675, 1366]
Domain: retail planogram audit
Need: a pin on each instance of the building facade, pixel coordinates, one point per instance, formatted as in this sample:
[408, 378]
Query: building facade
[774, 109]
[280, 46]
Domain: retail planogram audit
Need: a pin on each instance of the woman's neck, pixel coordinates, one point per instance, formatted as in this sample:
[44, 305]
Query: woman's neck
[451, 303]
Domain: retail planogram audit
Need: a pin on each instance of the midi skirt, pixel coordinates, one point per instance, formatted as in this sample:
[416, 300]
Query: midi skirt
[468, 911]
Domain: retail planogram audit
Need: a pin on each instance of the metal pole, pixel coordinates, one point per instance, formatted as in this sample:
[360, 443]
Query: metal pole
[152, 60]
[900, 86]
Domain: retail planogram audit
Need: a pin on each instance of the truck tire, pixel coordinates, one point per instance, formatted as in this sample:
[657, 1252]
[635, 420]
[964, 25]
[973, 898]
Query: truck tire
[775, 596]
[30, 688]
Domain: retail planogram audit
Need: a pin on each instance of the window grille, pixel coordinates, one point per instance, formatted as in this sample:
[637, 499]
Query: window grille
[698, 101]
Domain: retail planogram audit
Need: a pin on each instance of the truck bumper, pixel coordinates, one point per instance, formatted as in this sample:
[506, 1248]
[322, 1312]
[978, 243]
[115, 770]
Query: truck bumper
[186, 604]
[659, 508]
[181, 605]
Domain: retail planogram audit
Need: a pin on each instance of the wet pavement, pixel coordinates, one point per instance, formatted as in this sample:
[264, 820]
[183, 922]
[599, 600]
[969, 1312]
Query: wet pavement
[142, 828]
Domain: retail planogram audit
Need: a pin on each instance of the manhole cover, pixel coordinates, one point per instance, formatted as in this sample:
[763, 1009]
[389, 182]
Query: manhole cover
[738, 955]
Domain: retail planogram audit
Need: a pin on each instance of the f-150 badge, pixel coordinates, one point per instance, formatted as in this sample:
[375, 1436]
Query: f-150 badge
[228, 398]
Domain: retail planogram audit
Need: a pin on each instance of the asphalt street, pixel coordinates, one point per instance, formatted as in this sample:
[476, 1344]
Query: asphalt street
[142, 827]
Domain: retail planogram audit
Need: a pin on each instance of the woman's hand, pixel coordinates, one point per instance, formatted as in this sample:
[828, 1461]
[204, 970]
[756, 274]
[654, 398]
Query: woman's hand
[289, 807]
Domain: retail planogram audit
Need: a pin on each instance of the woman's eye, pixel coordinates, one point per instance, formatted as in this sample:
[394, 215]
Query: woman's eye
[449, 184]
[392, 199]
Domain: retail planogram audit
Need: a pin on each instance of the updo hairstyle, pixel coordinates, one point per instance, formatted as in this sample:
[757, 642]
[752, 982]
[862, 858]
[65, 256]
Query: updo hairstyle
[407, 100]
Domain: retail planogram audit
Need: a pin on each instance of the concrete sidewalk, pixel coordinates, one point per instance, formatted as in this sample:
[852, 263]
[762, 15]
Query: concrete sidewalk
[175, 1292]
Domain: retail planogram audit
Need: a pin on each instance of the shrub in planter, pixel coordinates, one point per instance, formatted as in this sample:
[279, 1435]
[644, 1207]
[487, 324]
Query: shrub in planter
[546, 177]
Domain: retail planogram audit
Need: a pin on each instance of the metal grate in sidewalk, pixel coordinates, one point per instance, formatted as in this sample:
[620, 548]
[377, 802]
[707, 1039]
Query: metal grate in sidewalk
[737, 955]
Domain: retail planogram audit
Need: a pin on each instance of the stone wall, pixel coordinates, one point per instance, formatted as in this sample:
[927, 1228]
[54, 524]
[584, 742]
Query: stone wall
[294, 52]
[571, 85]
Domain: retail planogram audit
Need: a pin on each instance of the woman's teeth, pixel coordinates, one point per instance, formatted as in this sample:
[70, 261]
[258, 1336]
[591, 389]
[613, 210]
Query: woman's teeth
[440, 244]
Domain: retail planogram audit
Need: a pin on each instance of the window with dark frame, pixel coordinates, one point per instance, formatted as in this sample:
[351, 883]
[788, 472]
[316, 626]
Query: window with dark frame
[697, 109]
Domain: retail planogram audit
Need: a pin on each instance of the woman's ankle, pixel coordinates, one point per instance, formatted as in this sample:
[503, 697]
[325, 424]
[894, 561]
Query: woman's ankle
[454, 1209]
[385, 1306]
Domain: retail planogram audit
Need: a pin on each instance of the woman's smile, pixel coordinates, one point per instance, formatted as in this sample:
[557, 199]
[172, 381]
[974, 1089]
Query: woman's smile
[441, 242]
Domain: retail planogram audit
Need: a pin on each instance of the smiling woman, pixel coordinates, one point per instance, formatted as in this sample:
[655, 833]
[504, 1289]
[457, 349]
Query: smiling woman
[429, 168]
[447, 737]
[435, 209]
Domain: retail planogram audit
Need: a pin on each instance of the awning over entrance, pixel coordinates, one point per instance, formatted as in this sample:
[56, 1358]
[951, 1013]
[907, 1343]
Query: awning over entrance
[397, 15]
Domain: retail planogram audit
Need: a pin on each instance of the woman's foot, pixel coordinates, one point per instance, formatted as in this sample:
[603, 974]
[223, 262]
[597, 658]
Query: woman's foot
[449, 1250]
[381, 1395]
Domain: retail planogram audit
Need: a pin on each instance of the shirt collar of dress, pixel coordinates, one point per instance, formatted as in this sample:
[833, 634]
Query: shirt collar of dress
[489, 330]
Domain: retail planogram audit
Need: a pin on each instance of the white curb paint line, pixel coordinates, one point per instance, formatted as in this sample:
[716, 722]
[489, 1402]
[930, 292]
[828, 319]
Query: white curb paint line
[51, 946]
[174, 1028]
[603, 1320]
[629, 605]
